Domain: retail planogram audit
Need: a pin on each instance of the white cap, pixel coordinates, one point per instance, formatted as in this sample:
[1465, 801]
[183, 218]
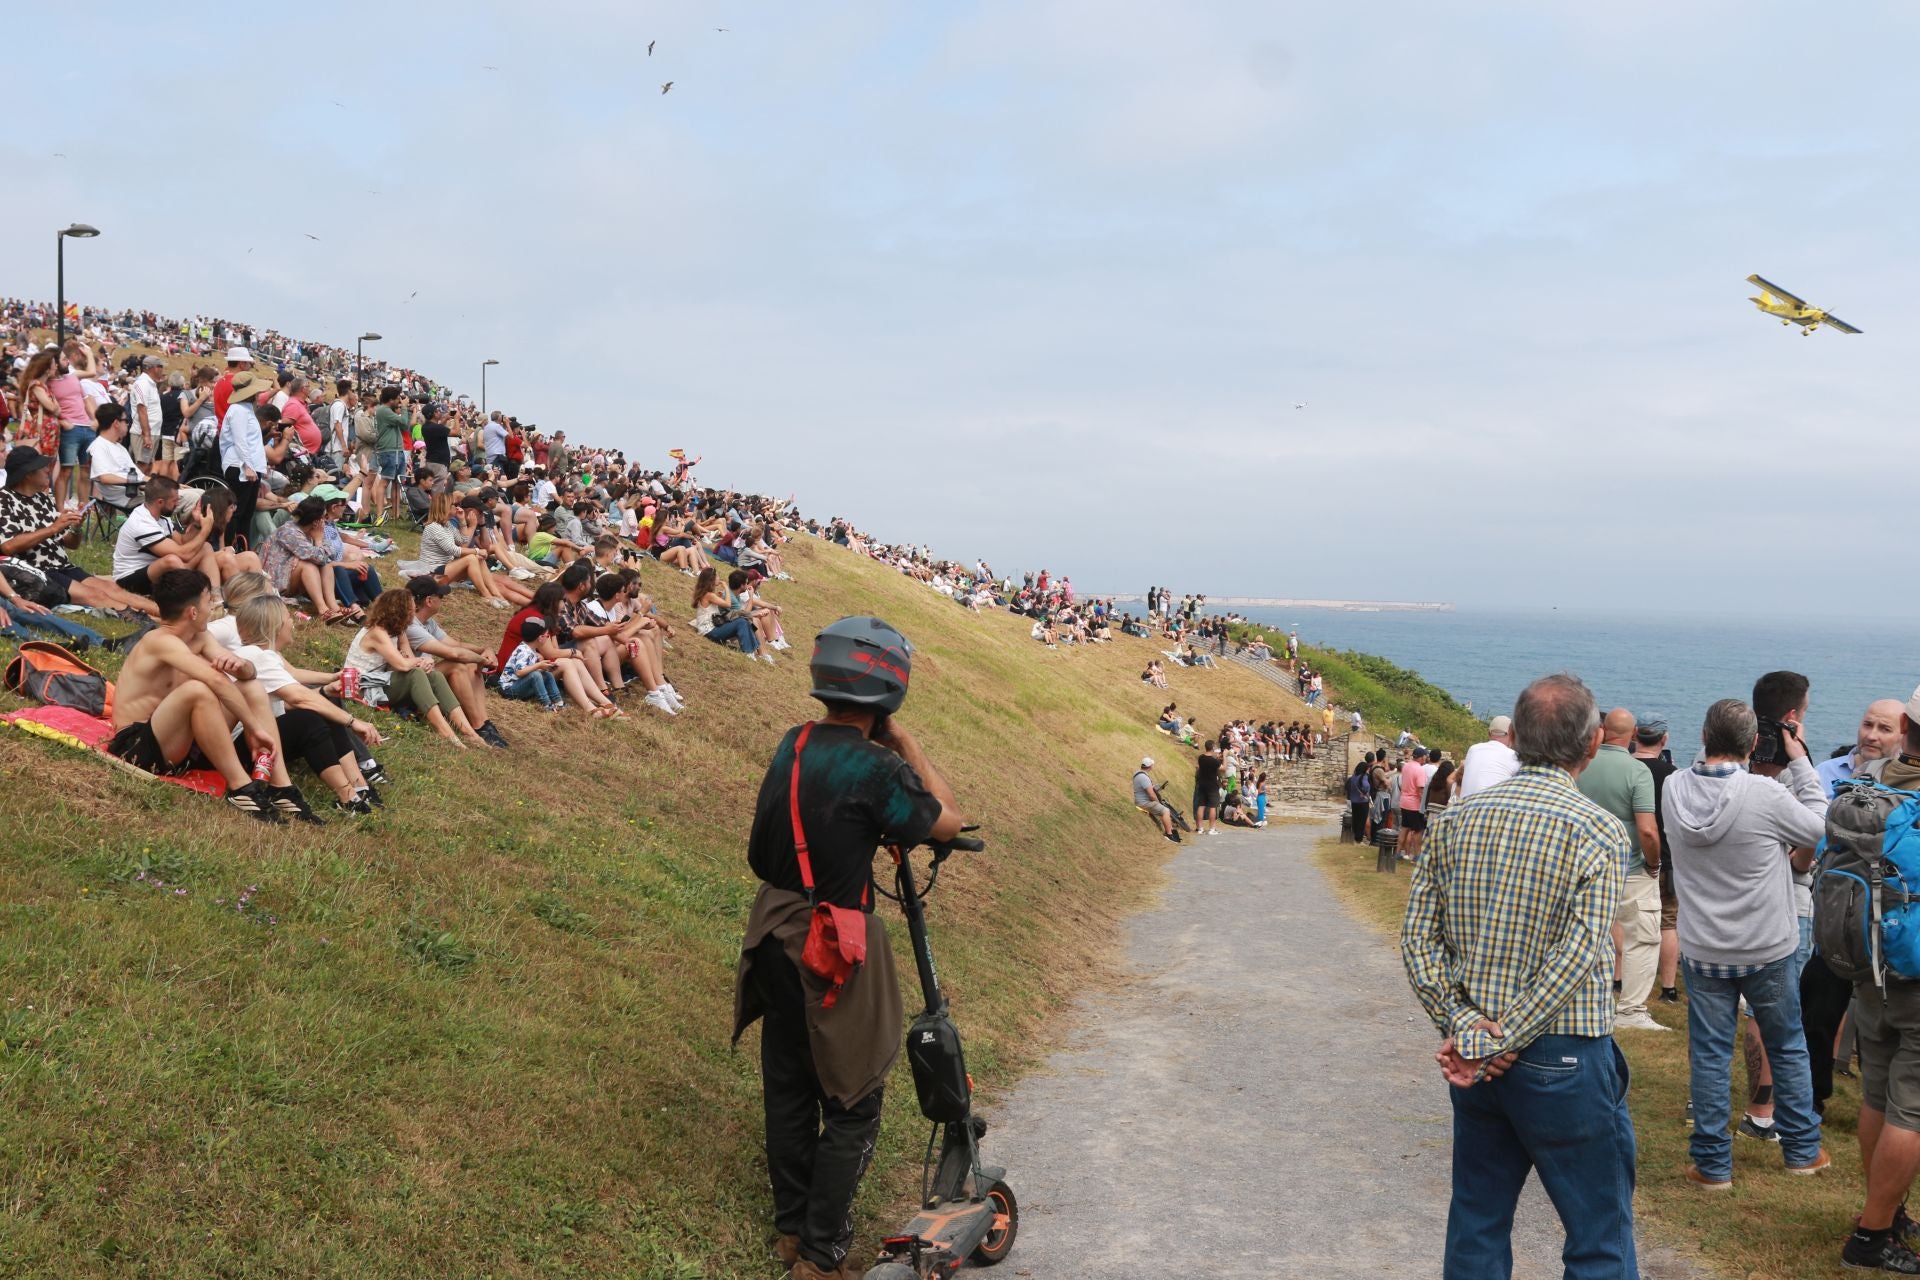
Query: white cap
[239, 353]
[1499, 725]
[1913, 707]
[1146, 762]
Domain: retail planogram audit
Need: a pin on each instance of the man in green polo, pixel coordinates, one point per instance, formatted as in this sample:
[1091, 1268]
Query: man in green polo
[1623, 786]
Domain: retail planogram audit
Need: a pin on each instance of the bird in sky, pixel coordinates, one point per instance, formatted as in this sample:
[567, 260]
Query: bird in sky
[410, 297]
[336, 102]
[489, 68]
[650, 45]
[1301, 405]
[59, 155]
[723, 30]
[310, 236]
[668, 85]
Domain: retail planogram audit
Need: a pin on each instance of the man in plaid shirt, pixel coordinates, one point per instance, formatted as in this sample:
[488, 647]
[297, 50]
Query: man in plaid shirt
[1508, 943]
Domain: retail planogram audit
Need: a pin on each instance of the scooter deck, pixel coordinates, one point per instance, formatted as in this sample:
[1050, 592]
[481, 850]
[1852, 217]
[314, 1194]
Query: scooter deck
[945, 1236]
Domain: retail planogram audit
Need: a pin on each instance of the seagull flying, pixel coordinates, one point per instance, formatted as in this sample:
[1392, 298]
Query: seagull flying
[723, 30]
[489, 68]
[650, 45]
[310, 236]
[668, 85]
[336, 102]
[1301, 405]
[410, 297]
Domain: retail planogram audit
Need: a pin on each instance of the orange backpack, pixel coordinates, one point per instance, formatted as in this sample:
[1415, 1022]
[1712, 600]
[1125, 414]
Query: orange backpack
[50, 674]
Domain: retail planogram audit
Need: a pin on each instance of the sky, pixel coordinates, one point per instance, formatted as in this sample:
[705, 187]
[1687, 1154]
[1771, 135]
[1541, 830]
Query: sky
[1044, 280]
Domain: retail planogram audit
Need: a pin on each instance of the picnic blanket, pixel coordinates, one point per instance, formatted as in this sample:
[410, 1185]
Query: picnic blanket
[82, 732]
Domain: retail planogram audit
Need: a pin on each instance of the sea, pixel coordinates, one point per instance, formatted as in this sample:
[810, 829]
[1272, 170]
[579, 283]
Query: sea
[1671, 667]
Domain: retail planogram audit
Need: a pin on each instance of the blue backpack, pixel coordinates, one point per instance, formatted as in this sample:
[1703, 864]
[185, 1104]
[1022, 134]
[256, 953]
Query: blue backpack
[1866, 893]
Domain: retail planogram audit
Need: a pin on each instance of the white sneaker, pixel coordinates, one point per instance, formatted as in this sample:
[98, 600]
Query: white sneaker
[667, 688]
[767, 657]
[1639, 1022]
[658, 701]
[782, 645]
[520, 575]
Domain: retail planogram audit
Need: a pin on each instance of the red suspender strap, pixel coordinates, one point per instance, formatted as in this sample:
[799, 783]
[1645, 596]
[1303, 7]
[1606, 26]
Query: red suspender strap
[793, 809]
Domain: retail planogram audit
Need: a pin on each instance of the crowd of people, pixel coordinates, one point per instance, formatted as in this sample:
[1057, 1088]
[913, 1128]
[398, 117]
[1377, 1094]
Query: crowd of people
[1574, 873]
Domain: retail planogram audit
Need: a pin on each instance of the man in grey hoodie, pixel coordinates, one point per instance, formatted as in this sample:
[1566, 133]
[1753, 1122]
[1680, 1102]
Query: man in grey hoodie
[1737, 839]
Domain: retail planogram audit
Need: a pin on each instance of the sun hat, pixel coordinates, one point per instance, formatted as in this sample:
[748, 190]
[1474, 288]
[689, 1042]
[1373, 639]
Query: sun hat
[247, 384]
[237, 354]
[23, 460]
[1499, 725]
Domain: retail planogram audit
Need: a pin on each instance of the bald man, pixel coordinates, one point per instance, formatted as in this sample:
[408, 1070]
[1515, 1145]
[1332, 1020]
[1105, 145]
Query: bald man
[1623, 786]
[1878, 738]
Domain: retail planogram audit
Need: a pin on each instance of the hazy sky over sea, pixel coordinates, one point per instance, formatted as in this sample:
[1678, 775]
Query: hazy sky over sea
[1045, 279]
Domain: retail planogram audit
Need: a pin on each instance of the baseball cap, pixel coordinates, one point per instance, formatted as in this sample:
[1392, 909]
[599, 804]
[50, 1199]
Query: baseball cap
[427, 587]
[235, 354]
[152, 362]
[1913, 703]
[1146, 762]
[1419, 752]
[1650, 729]
[532, 628]
[1499, 725]
[329, 493]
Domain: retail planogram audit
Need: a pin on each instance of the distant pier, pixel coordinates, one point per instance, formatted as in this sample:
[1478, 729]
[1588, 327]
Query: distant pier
[1347, 606]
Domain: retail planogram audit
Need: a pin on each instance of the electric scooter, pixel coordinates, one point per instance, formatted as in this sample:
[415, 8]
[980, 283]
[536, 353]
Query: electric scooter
[967, 1211]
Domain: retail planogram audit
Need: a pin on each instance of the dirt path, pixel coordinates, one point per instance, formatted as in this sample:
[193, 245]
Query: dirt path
[1261, 1101]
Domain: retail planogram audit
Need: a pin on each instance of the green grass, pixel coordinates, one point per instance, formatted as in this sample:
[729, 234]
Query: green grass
[485, 1032]
[1772, 1224]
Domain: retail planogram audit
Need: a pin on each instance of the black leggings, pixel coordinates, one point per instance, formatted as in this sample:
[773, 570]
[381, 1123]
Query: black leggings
[817, 1150]
[308, 735]
[246, 493]
[1361, 808]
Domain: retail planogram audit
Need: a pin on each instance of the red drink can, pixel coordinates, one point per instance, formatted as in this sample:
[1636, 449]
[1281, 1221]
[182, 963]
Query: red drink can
[263, 765]
[350, 683]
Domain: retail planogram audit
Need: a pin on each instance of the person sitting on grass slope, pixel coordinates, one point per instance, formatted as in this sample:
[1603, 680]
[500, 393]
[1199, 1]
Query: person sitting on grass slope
[180, 696]
[463, 665]
[391, 673]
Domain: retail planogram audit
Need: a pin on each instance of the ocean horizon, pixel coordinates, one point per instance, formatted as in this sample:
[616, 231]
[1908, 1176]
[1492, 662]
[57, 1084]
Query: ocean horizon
[1672, 666]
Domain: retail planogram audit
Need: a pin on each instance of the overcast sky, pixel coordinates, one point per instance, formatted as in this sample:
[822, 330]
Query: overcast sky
[1044, 279]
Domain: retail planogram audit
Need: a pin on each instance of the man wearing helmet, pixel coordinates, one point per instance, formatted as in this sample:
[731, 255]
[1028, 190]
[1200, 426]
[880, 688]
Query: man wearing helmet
[829, 1039]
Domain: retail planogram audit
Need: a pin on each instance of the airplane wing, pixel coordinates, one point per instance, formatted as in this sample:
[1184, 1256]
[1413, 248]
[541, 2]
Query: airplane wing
[1840, 324]
[1776, 291]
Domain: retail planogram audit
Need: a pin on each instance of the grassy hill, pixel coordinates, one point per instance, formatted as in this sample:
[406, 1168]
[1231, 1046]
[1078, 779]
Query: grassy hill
[485, 1032]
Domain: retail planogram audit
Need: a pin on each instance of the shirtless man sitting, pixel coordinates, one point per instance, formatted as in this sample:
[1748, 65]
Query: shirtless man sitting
[180, 696]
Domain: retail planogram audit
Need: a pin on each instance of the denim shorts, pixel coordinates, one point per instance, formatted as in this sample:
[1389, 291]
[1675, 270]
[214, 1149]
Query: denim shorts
[73, 444]
[390, 463]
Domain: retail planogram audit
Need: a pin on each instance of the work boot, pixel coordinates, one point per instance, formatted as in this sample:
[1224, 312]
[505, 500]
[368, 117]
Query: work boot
[787, 1249]
[804, 1269]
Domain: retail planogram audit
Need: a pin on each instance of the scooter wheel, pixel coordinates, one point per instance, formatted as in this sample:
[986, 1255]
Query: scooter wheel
[892, 1271]
[999, 1241]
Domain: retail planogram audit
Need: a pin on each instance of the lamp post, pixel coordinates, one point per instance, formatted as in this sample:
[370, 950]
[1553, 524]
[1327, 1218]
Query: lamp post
[79, 231]
[484, 366]
[359, 379]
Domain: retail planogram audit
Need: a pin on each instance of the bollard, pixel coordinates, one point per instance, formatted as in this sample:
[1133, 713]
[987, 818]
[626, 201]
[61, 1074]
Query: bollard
[1389, 858]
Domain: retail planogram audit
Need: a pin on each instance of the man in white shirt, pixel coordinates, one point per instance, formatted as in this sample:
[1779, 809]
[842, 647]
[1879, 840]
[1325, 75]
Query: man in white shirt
[113, 468]
[339, 423]
[148, 545]
[143, 410]
[1491, 761]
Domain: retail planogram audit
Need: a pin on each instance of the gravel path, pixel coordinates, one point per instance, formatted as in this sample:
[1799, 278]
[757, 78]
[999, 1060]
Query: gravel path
[1260, 1100]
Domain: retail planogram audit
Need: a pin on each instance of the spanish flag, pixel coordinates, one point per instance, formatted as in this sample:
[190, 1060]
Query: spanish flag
[73, 311]
[679, 455]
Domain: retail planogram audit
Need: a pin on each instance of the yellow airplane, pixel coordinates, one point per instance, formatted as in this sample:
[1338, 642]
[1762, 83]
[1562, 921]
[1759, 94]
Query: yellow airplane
[1776, 301]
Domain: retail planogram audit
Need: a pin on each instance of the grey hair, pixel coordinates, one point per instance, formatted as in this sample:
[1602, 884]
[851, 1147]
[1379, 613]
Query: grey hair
[177, 380]
[1729, 729]
[1554, 720]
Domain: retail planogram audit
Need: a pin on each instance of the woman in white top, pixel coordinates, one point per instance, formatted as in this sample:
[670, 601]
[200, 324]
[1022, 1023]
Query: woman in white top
[443, 558]
[311, 728]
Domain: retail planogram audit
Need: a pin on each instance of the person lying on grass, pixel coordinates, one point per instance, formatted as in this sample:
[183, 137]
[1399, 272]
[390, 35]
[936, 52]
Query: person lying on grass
[391, 673]
[310, 727]
[180, 696]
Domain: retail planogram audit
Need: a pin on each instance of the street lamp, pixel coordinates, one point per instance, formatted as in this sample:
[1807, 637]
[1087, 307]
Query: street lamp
[79, 231]
[484, 366]
[359, 381]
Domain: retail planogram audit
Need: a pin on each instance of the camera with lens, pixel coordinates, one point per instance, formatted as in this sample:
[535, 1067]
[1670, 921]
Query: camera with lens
[1771, 747]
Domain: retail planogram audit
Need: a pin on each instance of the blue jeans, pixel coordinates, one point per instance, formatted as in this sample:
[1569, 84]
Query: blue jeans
[349, 588]
[50, 624]
[1561, 1112]
[736, 629]
[1713, 1016]
[535, 686]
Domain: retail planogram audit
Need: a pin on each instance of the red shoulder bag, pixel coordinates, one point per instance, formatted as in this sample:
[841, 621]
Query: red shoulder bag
[836, 936]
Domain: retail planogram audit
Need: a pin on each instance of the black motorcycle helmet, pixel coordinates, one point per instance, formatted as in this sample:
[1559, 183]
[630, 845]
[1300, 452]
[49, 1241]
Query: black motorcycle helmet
[862, 661]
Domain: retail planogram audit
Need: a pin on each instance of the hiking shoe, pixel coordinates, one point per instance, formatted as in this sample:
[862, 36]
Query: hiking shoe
[1870, 1251]
[787, 1249]
[255, 800]
[1820, 1163]
[1704, 1183]
[1764, 1132]
[292, 804]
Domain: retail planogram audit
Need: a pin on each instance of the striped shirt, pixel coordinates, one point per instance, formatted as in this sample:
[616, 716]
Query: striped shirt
[1510, 915]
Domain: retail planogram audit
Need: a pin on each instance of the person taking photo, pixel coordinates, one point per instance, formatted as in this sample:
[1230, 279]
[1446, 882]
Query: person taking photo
[836, 790]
